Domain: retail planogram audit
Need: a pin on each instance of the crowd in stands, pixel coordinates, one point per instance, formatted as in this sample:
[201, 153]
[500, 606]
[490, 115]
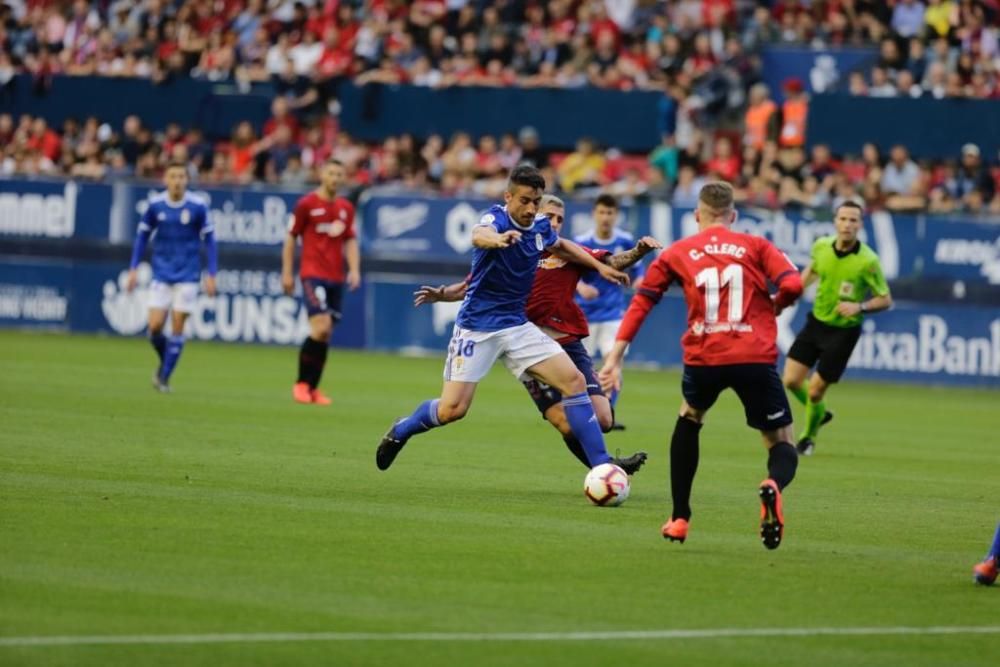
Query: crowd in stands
[941, 49]
[948, 47]
[767, 173]
[701, 54]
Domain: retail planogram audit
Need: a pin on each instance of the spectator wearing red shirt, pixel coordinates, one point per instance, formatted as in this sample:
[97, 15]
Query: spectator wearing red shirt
[717, 13]
[243, 151]
[348, 26]
[602, 25]
[44, 140]
[167, 45]
[281, 117]
[336, 60]
[318, 21]
[702, 60]
[724, 162]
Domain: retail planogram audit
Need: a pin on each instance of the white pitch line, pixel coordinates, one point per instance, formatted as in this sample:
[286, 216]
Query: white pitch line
[285, 637]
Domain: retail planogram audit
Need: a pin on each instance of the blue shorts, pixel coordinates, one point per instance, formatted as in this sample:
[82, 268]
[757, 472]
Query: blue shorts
[322, 297]
[757, 385]
[545, 396]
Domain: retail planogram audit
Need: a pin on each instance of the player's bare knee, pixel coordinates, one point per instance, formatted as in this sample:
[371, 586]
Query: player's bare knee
[321, 331]
[783, 434]
[817, 391]
[577, 384]
[816, 394]
[690, 413]
[451, 412]
[558, 419]
[606, 421]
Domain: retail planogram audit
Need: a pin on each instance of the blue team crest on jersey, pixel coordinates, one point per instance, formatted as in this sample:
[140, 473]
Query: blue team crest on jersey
[185, 217]
[539, 242]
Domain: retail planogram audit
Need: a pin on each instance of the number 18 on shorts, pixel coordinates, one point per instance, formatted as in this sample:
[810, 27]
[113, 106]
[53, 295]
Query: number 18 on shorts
[471, 354]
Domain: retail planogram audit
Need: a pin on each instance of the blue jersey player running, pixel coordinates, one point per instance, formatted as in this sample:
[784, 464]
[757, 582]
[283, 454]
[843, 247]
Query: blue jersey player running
[178, 224]
[492, 323]
[604, 302]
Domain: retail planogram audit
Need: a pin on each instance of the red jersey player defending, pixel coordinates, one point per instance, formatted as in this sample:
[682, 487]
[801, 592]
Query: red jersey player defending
[325, 223]
[552, 308]
[729, 343]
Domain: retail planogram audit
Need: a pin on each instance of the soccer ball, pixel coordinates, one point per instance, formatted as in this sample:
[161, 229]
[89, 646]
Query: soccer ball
[606, 485]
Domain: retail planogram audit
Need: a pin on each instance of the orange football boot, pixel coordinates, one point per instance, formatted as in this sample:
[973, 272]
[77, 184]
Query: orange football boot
[319, 398]
[302, 393]
[986, 572]
[675, 530]
[772, 521]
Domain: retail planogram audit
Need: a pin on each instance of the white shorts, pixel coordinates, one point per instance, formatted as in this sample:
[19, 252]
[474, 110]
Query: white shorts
[471, 354]
[179, 297]
[601, 338]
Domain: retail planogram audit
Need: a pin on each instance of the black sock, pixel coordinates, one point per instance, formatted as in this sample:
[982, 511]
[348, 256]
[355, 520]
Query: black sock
[781, 464]
[159, 343]
[576, 448]
[312, 358]
[683, 465]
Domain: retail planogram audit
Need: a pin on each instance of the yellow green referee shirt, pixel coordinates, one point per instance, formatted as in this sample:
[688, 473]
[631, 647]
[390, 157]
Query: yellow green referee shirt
[844, 277]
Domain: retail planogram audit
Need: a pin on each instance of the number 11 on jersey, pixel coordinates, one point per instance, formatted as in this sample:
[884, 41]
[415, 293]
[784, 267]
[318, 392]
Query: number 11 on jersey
[731, 277]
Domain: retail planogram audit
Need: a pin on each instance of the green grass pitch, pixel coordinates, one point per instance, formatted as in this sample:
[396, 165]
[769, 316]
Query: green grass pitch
[226, 508]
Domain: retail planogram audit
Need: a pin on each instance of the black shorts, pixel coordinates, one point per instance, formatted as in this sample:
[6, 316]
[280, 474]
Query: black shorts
[758, 386]
[545, 396]
[831, 346]
[322, 297]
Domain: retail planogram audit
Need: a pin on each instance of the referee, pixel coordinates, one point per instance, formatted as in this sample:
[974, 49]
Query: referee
[848, 270]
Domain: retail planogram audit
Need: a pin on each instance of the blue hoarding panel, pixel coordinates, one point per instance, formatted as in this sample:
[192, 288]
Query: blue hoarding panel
[54, 209]
[250, 306]
[820, 70]
[958, 345]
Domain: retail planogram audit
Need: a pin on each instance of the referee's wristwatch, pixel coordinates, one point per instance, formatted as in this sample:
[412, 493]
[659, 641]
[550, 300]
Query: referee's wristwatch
[862, 307]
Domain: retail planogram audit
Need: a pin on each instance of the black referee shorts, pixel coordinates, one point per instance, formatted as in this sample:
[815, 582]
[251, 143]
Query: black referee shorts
[830, 346]
[758, 386]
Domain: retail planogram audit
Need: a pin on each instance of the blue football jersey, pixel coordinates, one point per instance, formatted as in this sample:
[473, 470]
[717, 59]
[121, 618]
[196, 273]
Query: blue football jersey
[501, 279]
[612, 300]
[177, 229]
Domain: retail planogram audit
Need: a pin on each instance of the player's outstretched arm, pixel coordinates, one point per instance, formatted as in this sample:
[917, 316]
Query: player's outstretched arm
[287, 264]
[427, 294]
[657, 281]
[610, 376]
[352, 253]
[212, 253]
[624, 260]
[782, 273]
[571, 252]
[808, 276]
[488, 238]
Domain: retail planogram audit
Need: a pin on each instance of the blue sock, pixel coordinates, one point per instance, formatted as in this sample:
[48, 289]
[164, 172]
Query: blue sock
[159, 343]
[424, 418]
[613, 398]
[995, 549]
[580, 415]
[175, 345]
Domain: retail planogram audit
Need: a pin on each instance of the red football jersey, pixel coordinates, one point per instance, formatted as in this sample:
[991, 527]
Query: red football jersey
[324, 225]
[725, 279]
[551, 303]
